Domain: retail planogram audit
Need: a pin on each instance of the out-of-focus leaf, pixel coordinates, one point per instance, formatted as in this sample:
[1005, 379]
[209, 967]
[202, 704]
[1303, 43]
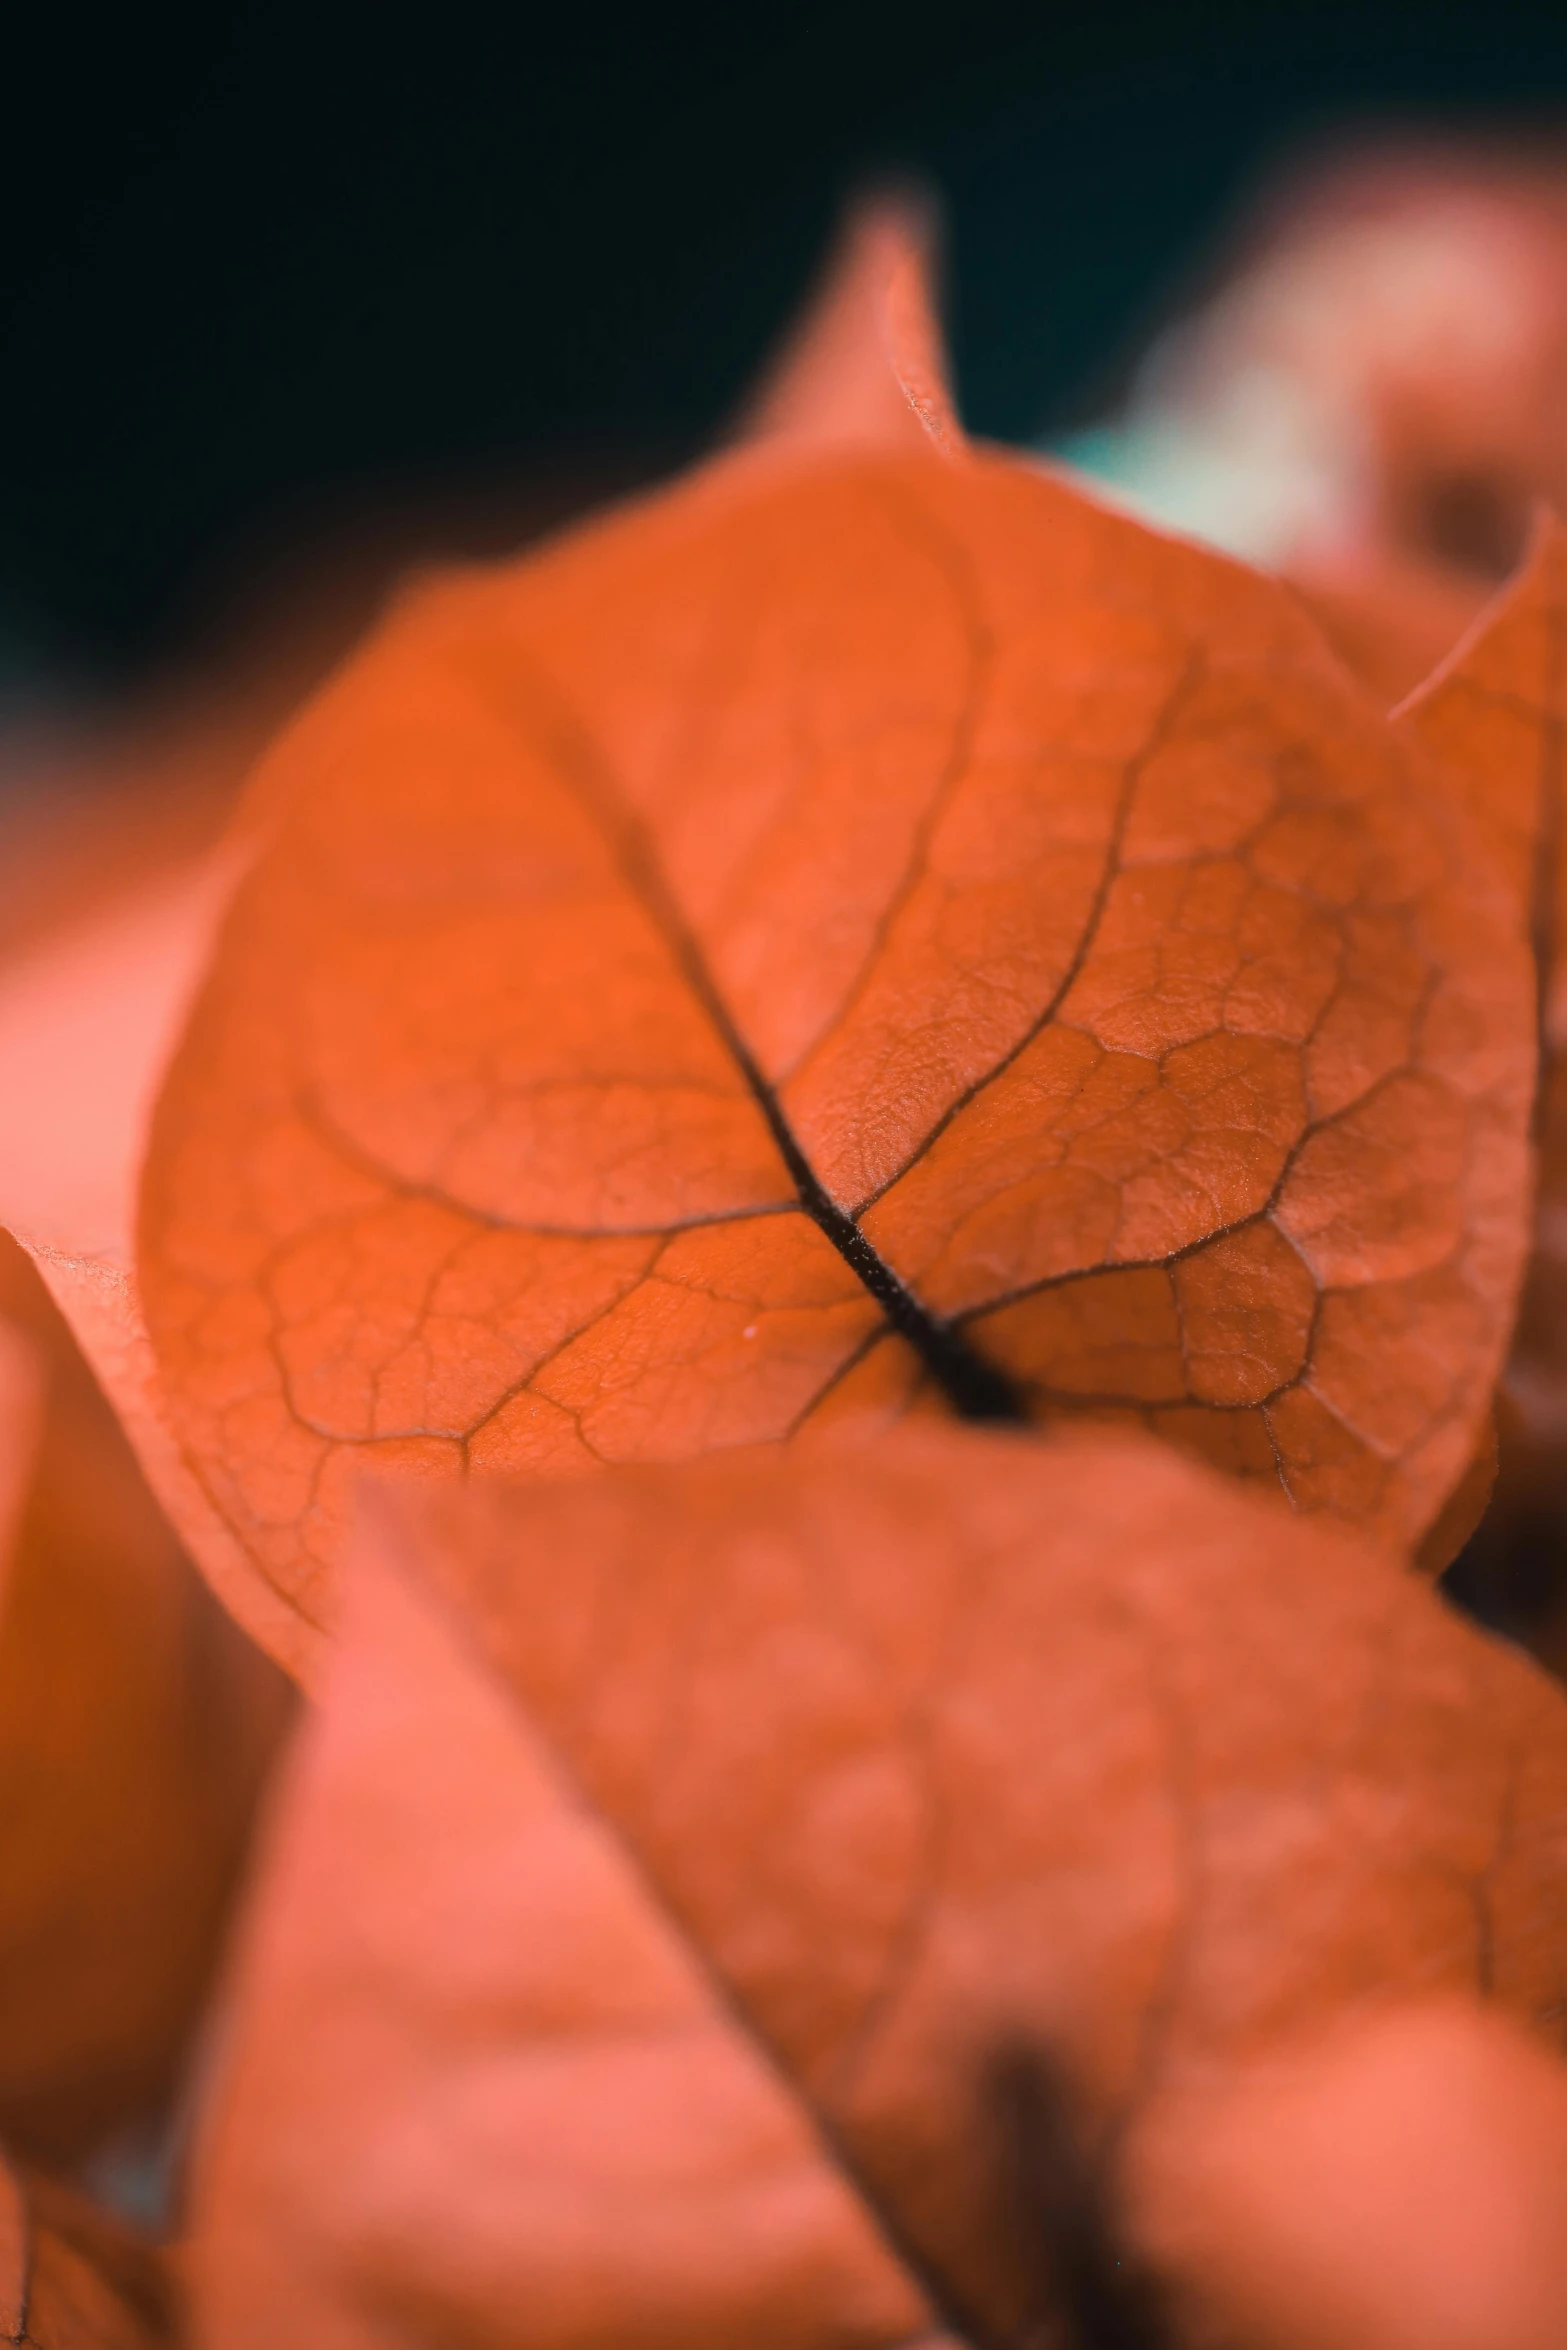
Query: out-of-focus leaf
[859, 931]
[1398, 2182]
[136, 1722]
[673, 1850]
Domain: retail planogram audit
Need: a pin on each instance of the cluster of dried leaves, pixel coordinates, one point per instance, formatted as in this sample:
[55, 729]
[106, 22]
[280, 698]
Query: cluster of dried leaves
[814, 1207]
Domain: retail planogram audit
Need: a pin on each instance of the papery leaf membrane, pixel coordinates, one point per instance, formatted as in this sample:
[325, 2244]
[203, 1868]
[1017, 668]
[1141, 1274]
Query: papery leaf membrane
[865, 368]
[895, 1754]
[1494, 714]
[851, 931]
[483, 2088]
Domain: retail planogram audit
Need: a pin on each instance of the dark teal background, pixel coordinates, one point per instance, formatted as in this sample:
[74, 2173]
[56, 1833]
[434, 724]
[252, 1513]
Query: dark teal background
[261, 267]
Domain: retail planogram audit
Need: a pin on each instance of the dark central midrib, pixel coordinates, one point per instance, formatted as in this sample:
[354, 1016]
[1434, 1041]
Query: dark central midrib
[974, 1388]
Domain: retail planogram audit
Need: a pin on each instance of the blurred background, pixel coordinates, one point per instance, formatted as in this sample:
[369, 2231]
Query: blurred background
[293, 306]
[291, 302]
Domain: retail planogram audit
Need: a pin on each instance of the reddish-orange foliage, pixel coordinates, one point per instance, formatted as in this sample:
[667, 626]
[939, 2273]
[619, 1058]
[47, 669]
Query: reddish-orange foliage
[859, 929]
[862, 935]
[1490, 696]
[1395, 606]
[672, 1850]
[1492, 714]
[866, 368]
[1393, 624]
[1392, 2183]
[135, 1722]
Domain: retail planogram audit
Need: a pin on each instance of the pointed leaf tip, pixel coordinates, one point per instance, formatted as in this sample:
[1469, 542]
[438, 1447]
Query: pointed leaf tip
[866, 365]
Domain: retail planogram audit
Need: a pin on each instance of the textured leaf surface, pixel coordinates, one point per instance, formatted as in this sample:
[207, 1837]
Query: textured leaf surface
[888, 1754]
[851, 929]
[1494, 715]
[135, 1722]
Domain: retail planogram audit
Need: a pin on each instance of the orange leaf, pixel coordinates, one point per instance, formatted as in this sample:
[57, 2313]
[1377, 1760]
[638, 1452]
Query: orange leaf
[672, 1849]
[135, 1722]
[1393, 623]
[482, 2075]
[1493, 713]
[1396, 2183]
[866, 929]
[850, 923]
